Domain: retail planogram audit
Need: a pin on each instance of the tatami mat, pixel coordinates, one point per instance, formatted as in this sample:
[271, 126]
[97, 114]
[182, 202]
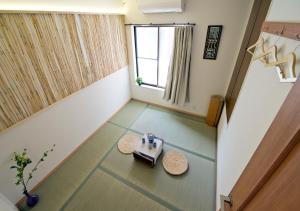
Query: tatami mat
[56, 190]
[191, 191]
[103, 192]
[128, 114]
[98, 177]
[183, 132]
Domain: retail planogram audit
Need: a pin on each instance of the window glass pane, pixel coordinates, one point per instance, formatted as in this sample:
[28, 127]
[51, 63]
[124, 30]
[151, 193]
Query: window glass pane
[146, 39]
[148, 70]
[166, 38]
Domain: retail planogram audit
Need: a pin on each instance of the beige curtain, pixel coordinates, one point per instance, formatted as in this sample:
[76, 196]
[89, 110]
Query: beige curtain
[177, 87]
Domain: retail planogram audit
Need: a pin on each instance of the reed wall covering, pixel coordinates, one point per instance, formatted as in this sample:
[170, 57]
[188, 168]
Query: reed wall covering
[46, 57]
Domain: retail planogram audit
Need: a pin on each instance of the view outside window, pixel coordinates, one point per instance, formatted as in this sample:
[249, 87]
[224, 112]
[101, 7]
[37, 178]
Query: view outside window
[153, 52]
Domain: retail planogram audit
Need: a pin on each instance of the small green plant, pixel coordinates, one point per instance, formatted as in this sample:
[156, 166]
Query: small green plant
[21, 161]
[139, 81]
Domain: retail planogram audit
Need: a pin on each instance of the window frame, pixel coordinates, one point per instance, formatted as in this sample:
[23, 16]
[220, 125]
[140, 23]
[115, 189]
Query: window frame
[157, 59]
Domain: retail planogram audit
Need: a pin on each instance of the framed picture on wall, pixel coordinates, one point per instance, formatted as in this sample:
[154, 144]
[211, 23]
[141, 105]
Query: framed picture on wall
[213, 37]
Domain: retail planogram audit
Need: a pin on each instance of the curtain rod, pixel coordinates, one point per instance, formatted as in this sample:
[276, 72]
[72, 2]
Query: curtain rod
[161, 24]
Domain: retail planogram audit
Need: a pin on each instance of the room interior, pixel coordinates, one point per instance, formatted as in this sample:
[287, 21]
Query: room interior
[149, 105]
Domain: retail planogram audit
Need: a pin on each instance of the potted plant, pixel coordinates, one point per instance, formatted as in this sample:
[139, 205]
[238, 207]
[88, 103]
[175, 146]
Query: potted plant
[139, 81]
[21, 161]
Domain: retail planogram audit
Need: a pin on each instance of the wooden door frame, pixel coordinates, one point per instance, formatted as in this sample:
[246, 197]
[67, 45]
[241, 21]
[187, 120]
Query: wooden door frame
[278, 142]
[257, 17]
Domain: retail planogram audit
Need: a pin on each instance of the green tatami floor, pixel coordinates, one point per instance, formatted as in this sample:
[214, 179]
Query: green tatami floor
[99, 177]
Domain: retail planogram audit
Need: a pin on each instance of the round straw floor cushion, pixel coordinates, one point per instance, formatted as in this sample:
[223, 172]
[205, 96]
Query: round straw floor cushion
[128, 143]
[175, 163]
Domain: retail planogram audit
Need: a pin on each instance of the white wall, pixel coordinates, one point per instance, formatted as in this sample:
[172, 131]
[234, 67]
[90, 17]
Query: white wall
[97, 6]
[208, 77]
[66, 123]
[259, 100]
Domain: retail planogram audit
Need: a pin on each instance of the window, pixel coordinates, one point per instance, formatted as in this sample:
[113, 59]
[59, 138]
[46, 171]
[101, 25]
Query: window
[153, 49]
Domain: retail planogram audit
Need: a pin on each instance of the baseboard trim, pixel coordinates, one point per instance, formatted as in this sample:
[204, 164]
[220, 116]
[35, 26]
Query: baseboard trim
[171, 108]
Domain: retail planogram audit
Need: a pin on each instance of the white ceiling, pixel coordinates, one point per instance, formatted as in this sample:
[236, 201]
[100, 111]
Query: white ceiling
[92, 6]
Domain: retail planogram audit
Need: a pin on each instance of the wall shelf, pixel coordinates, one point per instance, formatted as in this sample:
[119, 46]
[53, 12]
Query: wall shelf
[283, 29]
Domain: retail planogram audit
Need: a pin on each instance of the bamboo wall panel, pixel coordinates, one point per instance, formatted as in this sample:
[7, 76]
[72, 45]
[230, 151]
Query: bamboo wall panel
[46, 57]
